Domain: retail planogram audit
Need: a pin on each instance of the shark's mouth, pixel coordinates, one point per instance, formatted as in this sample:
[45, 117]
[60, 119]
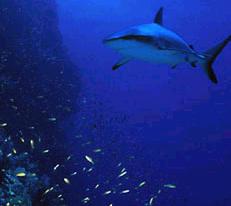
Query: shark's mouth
[138, 38]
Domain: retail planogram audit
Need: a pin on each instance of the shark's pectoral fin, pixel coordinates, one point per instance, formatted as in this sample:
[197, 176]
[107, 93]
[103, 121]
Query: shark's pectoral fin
[121, 62]
[191, 46]
[159, 17]
[192, 63]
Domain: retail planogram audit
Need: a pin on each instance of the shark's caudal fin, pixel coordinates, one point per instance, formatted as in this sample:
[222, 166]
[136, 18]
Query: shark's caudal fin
[210, 56]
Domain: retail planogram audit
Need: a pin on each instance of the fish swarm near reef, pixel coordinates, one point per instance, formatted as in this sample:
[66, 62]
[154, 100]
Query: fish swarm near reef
[38, 91]
[20, 180]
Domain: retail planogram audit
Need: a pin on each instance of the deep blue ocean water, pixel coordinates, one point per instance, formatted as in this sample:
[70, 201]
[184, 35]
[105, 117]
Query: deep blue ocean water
[140, 136]
[164, 126]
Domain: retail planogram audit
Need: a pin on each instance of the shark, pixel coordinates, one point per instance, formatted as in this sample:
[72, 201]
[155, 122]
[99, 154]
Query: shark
[156, 44]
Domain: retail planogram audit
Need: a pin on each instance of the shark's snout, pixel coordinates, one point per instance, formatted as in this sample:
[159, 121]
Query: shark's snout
[115, 37]
[110, 40]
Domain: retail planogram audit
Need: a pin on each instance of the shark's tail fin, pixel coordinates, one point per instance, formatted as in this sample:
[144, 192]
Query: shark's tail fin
[210, 56]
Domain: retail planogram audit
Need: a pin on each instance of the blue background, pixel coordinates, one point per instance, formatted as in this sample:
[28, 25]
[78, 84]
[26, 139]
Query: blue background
[166, 126]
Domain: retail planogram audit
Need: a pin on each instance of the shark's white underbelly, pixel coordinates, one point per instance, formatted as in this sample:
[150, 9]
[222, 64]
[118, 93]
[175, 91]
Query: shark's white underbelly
[153, 55]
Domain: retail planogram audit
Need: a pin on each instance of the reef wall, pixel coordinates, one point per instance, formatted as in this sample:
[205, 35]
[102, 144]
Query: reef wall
[38, 90]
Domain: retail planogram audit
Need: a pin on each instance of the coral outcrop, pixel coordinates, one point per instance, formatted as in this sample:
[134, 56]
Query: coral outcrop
[38, 91]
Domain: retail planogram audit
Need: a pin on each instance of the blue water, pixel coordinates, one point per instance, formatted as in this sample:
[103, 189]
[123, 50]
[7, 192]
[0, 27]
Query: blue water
[164, 126]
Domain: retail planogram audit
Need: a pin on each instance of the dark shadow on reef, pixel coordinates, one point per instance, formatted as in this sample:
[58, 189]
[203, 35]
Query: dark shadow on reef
[38, 91]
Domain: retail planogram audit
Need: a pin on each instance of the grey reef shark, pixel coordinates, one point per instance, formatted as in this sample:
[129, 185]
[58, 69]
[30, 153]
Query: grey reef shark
[156, 44]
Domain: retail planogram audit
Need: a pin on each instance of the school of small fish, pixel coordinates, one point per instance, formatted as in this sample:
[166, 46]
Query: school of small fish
[107, 188]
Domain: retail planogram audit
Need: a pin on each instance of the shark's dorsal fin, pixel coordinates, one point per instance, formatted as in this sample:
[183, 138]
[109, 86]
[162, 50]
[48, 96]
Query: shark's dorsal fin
[159, 17]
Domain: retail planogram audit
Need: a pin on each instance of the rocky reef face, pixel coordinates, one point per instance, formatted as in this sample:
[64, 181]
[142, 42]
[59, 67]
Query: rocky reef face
[21, 181]
[38, 91]
[37, 78]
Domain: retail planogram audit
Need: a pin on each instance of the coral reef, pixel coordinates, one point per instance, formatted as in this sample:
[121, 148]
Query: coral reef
[38, 91]
[20, 180]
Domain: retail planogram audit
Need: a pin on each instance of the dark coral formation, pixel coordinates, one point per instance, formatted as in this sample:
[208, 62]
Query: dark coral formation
[38, 91]
[37, 78]
[21, 181]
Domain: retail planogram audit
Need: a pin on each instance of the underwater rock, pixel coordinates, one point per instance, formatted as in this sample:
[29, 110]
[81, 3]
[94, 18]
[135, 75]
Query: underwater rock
[20, 182]
[37, 82]
[37, 79]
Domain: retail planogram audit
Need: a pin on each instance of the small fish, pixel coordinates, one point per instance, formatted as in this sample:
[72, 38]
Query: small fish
[14, 151]
[32, 143]
[69, 157]
[170, 186]
[67, 181]
[52, 119]
[89, 159]
[74, 173]
[14, 107]
[97, 150]
[89, 170]
[22, 140]
[86, 200]
[46, 191]
[46, 151]
[96, 186]
[107, 192]
[3, 124]
[125, 191]
[52, 188]
[56, 167]
[142, 184]
[123, 169]
[21, 174]
[122, 174]
[9, 155]
[151, 201]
